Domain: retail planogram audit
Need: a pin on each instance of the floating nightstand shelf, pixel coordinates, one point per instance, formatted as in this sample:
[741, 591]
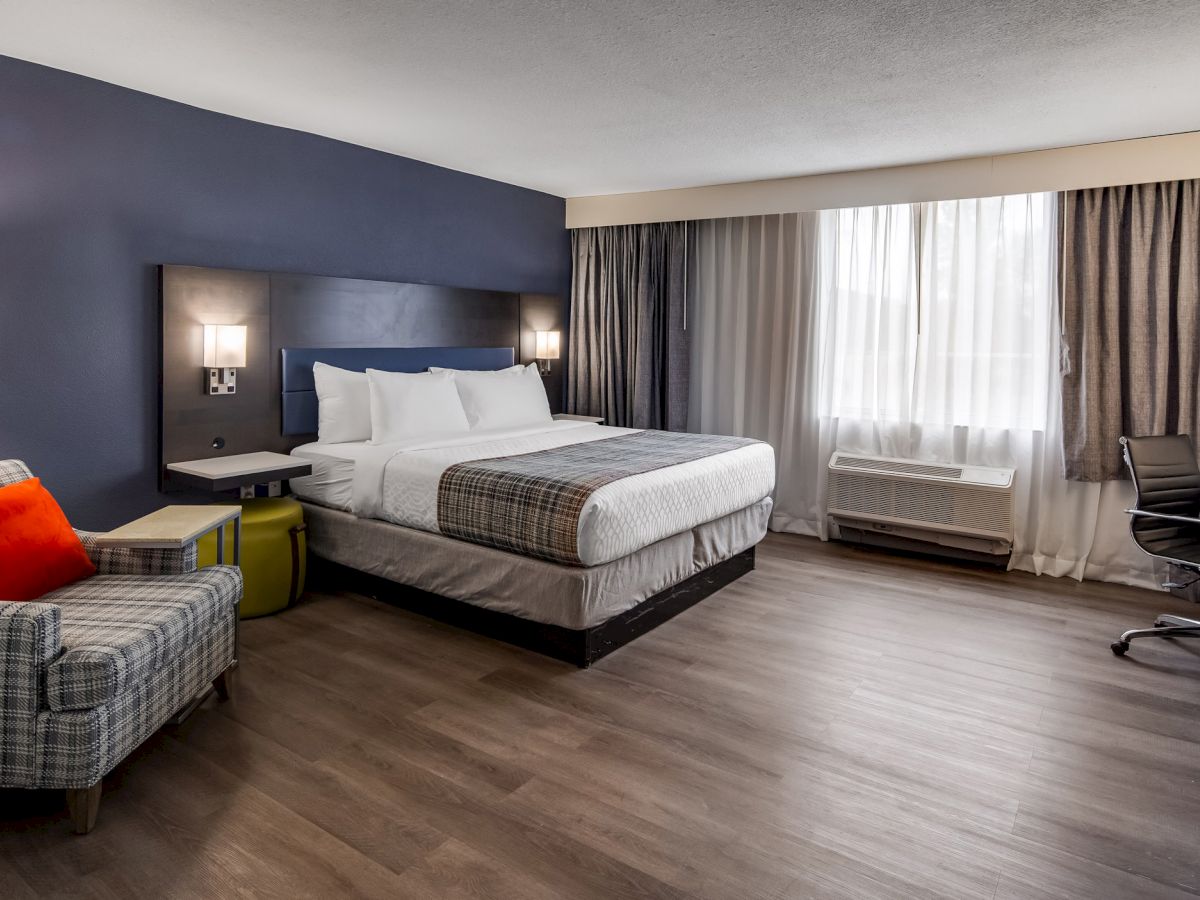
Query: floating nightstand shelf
[225, 473]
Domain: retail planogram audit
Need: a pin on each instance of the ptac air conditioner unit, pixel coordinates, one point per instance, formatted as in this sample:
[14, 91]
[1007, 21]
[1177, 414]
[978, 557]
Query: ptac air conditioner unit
[913, 504]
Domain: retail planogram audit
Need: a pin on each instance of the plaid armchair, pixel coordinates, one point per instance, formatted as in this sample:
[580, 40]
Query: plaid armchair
[91, 670]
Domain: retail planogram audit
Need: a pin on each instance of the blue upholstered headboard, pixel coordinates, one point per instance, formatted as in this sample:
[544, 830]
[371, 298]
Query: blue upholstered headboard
[299, 391]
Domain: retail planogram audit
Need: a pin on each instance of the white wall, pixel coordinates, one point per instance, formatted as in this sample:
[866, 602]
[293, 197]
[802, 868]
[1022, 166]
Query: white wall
[1166, 158]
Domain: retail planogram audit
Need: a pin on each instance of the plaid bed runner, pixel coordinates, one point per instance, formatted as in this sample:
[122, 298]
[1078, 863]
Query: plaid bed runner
[530, 504]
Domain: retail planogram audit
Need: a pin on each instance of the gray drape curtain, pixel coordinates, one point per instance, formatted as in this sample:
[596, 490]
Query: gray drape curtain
[1131, 320]
[629, 342]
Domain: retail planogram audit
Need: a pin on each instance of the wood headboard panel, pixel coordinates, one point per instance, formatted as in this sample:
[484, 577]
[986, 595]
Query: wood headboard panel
[282, 310]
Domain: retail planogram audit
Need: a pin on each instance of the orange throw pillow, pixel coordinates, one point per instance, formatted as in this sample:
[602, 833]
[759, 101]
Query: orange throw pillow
[38, 550]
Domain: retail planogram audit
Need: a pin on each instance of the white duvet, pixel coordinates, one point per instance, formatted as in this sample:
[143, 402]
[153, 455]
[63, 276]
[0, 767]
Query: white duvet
[399, 483]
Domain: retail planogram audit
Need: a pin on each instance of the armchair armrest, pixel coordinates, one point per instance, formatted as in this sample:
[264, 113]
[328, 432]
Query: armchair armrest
[1183, 520]
[29, 642]
[138, 561]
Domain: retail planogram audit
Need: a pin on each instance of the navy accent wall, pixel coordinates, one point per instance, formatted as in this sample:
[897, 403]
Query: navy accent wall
[99, 184]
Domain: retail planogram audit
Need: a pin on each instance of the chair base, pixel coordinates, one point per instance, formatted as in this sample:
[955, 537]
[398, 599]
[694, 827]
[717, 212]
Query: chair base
[222, 685]
[84, 804]
[1164, 626]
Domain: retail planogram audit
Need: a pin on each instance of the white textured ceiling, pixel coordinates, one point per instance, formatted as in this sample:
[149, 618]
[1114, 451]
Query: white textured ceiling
[605, 96]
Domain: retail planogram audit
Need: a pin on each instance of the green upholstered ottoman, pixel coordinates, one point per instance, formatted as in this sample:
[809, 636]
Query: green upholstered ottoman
[273, 554]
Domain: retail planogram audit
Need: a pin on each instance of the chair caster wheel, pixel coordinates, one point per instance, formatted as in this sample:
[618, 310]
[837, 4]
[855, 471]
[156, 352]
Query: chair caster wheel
[1119, 647]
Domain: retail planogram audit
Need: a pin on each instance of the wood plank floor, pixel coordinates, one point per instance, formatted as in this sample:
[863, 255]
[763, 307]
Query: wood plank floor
[839, 723]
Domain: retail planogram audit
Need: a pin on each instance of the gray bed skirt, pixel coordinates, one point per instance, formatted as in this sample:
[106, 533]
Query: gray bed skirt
[553, 594]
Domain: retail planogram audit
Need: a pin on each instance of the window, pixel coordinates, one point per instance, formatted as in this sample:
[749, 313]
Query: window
[939, 313]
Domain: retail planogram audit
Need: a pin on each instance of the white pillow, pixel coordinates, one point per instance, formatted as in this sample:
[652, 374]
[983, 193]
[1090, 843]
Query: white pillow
[516, 368]
[408, 405]
[343, 405]
[509, 398]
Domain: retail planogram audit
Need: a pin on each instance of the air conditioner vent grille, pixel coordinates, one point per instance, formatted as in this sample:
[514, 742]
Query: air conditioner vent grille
[930, 504]
[900, 467]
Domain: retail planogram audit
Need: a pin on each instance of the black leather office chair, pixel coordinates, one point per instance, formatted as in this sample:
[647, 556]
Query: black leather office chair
[1165, 519]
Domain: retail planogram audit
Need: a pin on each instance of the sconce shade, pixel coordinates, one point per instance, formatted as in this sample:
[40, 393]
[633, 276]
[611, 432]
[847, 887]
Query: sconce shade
[545, 345]
[224, 346]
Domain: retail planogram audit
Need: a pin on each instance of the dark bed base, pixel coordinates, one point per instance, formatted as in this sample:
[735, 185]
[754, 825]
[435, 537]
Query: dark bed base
[579, 646]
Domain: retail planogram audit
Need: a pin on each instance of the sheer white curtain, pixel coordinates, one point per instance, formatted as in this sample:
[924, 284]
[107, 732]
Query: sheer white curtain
[754, 328]
[930, 331]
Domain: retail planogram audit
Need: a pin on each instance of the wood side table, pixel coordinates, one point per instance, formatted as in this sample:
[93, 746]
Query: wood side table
[174, 527]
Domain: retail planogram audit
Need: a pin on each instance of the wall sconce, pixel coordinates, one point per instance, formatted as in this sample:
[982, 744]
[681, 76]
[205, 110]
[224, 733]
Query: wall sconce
[224, 353]
[545, 349]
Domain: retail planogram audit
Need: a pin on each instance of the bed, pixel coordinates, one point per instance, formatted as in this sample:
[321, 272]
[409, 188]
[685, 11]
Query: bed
[566, 537]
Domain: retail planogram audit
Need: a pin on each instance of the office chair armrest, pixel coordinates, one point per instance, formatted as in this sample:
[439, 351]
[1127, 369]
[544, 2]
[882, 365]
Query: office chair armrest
[1187, 520]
